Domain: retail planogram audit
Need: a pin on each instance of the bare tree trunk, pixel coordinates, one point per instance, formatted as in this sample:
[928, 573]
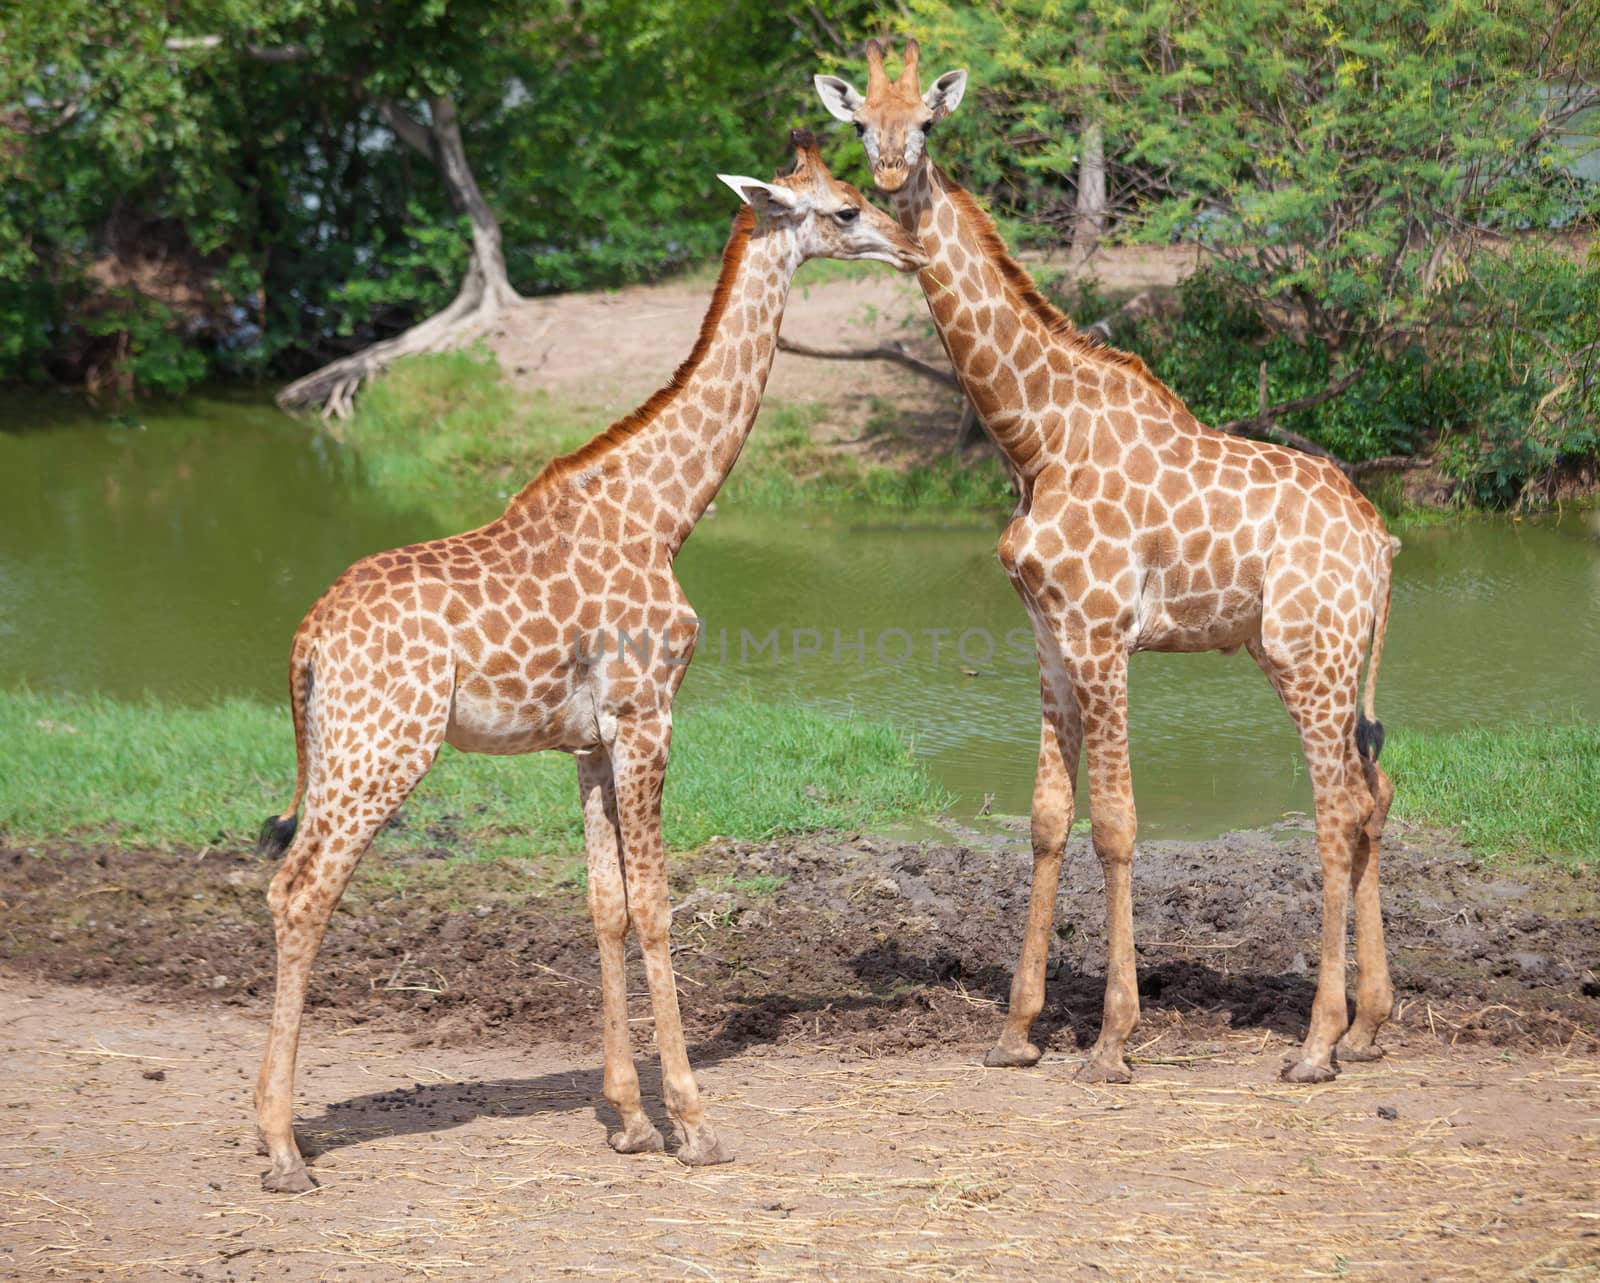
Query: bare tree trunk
[450, 157]
[485, 289]
[1089, 217]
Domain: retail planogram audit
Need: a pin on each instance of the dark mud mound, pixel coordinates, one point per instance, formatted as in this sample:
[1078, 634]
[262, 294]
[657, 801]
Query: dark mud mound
[858, 943]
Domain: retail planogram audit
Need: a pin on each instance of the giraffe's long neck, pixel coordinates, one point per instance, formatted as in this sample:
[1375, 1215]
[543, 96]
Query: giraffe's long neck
[1001, 335]
[685, 440]
[653, 473]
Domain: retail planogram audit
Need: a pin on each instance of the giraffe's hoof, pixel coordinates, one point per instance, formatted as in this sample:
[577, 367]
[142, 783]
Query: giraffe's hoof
[702, 1149]
[1308, 1071]
[1104, 1069]
[641, 1139]
[1005, 1055]
[1347, 1051]
[295, 1180]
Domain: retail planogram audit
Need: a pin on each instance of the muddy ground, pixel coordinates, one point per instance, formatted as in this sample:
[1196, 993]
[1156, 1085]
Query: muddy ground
[867, 943]
[838, 994]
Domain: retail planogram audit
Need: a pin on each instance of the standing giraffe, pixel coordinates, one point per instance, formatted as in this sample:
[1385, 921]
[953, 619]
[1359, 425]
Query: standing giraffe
[559, 625]
[1138, 528]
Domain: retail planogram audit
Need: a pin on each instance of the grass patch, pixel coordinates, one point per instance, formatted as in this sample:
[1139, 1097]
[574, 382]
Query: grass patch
[148, 775]
[447, 430]
[1518, 791]
[783, 467]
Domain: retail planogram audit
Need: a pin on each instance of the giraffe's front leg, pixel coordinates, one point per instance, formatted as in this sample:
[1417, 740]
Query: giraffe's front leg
[608, 906]
[1060, 738]
[1101, 682]
[639, 763]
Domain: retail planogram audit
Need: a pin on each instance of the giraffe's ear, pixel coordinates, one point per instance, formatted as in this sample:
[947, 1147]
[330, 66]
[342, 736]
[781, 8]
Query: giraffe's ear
[839, 97]
[945, 95]
[761, 196]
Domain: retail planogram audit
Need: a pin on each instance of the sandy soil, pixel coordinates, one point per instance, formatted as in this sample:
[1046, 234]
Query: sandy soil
[839, 993]
[606, 352]
[128, 1155]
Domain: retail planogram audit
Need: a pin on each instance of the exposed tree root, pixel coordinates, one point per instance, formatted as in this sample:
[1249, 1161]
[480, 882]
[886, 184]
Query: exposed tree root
[484, 293]
[333, 387]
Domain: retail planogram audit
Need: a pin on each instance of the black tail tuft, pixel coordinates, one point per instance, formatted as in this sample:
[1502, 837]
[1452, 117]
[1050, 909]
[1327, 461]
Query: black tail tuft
[1369, 738]
[275, 836]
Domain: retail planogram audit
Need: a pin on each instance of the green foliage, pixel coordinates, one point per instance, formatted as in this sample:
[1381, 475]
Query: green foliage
[1212, 350]
[147, 345]
[149, 775]
[222, 178]
[1525, 378]
[417, 271]
[1509, 399]
[1517, 791]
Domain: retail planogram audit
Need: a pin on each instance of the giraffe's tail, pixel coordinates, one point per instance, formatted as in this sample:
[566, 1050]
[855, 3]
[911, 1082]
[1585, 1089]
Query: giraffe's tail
[278, 830]
[1369, 730]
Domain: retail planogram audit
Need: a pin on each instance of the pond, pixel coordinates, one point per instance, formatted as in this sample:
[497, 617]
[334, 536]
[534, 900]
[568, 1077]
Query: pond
[172, 553]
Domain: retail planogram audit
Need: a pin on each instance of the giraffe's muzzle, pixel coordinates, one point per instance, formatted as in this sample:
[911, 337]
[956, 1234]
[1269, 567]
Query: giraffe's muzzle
[890, 177]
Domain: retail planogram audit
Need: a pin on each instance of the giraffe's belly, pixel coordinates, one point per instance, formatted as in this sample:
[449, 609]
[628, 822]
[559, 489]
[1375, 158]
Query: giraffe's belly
[492, 723]
[1198, 622]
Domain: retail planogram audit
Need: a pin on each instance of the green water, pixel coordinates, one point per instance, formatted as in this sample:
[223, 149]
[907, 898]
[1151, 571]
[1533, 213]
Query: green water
[173, 553]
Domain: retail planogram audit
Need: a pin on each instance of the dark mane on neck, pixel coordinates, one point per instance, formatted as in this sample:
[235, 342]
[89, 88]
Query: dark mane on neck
[599, 446]
[1019, 283]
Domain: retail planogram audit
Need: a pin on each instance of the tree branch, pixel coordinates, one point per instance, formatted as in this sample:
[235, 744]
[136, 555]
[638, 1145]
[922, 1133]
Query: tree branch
[260, 53]
[883, 352]
[1397, 462]
[408, 128]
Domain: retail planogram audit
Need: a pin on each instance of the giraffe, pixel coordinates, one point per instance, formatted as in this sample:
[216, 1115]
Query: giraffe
[559, 625]
[1138, 528]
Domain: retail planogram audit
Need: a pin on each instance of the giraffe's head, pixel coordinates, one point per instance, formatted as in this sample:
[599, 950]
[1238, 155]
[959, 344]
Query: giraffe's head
[826, 217]
[895, 117]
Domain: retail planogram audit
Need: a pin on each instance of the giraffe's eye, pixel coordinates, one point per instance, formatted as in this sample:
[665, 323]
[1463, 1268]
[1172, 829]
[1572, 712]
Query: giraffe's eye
[861, 130]
[848, 214]
[927, 127]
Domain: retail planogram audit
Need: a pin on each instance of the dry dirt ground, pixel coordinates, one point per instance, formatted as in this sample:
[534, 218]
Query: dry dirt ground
[839, 993]
[606, 352]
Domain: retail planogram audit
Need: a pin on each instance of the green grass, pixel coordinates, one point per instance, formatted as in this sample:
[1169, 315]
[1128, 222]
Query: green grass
[1518, 792]
[148, 775]
[782, 467]
[447, 430]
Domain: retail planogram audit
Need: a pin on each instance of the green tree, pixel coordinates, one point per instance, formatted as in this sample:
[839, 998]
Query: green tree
[272, 147]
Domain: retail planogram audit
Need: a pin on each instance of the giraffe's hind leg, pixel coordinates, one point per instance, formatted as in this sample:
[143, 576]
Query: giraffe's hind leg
[1374, 990]
[1319, 690]
[639, 763]
[338, 825]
